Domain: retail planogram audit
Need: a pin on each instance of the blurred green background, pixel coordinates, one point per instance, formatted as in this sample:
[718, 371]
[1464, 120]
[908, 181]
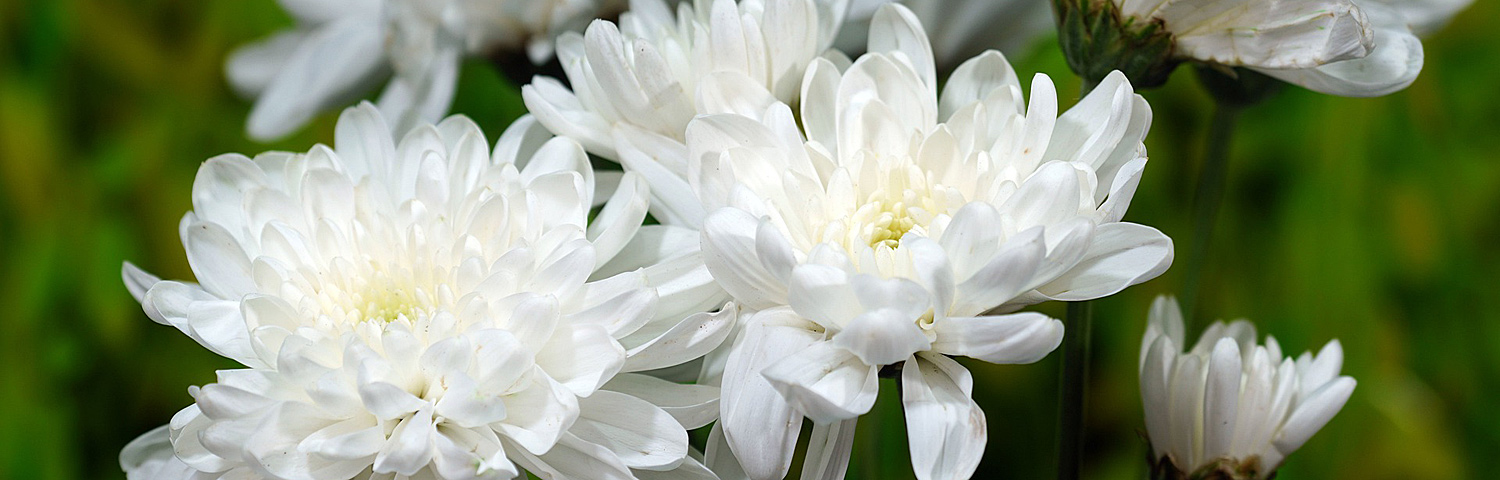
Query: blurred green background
[1375, 221]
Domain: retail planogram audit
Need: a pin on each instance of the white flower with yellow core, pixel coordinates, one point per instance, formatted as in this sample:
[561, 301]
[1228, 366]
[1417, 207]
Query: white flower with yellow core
[635, 86]
[1229, 408]
[896, 226]
[431, 310]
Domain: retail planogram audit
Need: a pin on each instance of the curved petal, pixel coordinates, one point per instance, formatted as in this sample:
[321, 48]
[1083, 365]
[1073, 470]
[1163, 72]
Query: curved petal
[692, 405]
[1005, 339]
[730, 254]
[825, 383]
[1121, 255]
[330, 65]
[945, 428]
[1313, 413]
[640, 434]
[759, 425]
[1392, 65]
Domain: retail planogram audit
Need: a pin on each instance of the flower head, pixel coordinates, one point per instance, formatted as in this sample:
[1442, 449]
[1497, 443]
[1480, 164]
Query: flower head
[1229, 406]
[428, 308]
[636, 85]
[894, 225]
[342, 48]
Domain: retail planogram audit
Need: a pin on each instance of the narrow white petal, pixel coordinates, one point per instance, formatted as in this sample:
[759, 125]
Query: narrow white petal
[828, 451]
[1314, 412]
[944, 427]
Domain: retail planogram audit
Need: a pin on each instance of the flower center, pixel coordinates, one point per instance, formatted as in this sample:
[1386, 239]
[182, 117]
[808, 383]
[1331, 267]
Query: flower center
[379, 294]
[901, 202]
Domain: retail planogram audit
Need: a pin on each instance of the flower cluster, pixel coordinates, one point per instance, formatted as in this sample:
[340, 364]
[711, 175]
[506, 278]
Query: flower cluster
[788, 225]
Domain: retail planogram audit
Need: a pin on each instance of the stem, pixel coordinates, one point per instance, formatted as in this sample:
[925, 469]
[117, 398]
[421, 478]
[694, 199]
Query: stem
[1073, 390]
[1212, 178]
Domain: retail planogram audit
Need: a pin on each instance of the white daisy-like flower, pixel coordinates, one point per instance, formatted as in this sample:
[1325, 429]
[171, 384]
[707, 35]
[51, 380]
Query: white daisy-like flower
[636, 86]
[1230, 407]
[960, 29]
[1357, 48]
[896, 226]
[430, 310]
[340, 49]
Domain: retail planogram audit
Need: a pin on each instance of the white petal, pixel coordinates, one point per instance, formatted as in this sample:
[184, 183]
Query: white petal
[1221, 398]
[137, 281]
[825, 383]
[944, 427]
[251, 67]
[823, 294]
[691, 338]
[1121, 255]
[692, 405]
[1314, 412]
[410, 447]
[640, 434]
[974, 80]
[828, 451]
[582, 357]
[539, 415]
[574, 458]
[729, 251]
[614, 226]
[1268, 34]
[1016, 338]
[1393, 64]
[896, 29]
[759, 425]
[328, 66]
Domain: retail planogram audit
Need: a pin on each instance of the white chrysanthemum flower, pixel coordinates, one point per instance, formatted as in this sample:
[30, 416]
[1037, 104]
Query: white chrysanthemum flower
[636, 86]
[427, 310]
[1358, 48]
[960, 29]
[895, 225]
[340, 49]
[1229, 406]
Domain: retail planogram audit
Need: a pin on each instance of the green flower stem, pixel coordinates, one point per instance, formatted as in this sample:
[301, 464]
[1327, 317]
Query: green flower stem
[1212, 179]
[1073, 389]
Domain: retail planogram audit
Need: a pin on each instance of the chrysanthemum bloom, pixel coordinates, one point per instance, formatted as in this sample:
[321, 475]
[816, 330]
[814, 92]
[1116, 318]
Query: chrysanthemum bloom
[1357, 48]
[960, 29]
[898, 227]
[428, 310]
[340, 49]
[1229, 408]
[636, 86]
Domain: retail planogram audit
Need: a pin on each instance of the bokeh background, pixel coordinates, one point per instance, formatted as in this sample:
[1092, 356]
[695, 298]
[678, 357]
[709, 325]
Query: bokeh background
[1374, 221]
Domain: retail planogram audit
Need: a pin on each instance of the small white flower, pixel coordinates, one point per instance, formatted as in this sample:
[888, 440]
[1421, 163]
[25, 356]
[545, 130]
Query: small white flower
[895, 225]
[636, 86]
[427, 309]
[960, 29]
[1357, 48]
[1228, 404]
[340, 49]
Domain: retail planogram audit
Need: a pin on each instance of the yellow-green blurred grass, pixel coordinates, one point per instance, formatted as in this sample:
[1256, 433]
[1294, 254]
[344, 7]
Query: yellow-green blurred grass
[1374, 221]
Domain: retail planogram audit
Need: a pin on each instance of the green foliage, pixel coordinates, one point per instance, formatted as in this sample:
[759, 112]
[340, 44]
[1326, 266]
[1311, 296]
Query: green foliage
[1369, 220]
